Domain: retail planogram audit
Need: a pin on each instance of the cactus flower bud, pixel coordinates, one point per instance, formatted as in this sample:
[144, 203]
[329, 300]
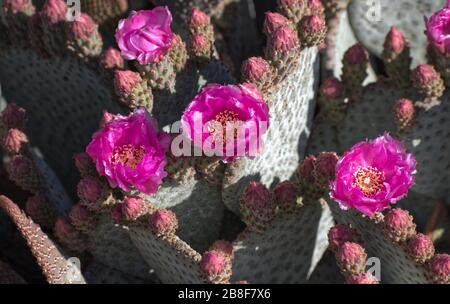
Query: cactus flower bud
[285, 194]
[313, 30]
[351, 258]
[315, 7]
[54, 11]
[282, 43]
[356, 55]
[90, 190]
[106, 118]
[13, 116]
[163, 222]
[362, 279]
[255, 70]
[15, 141]
[84, 164]
[340, 234]
[82, 27]
[126, 81]
[39, 209]
[67, 235]
[274, 21]
[22, 171]
[200, 47]
[132, 90]
[293, 9]
[399, 225]
[17, 6]
[395, 42]
[332, 89]
[62, 228]
[198, 19]
[324, 169]
[223, 247]
[132, 208]
[440, 268]
[111, 59]
[404, 113]
[306, 169]
[213, 263]
[421, 248]
[81, 218]
[258, 205]
[428, 81]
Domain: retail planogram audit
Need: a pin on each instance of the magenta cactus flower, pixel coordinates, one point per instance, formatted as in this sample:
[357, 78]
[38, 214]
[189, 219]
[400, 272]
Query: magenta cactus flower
[146, 35]
[130, 152]
[373, 175]
[238, 110]
[437, 30]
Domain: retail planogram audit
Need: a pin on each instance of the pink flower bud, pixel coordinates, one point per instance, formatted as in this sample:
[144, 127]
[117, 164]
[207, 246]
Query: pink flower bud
[274, 21]
[312, 24]
[223, 247]
[254, 69]
[325, 168]
[315, 7]
[285, 193]
[351, 258]
[399, 225]
[13, 116]
[132, 208]
[404, 113]
[163, 222]
[424, 75]
[283, 40]
[395, 41]
[332, 88]
[83, 27]
[421, 248]
[90, 189]
[200, 45]
[356, 55]
[84, 163]
[213, 263]
[340, 234]
[81, 218]
[16, 6]
[54, 11]
[63, 228]
[198, 19]
[362, 279]
[111, 59]
[440, 267]
[125, 82]
[257, 196]
[14, 141]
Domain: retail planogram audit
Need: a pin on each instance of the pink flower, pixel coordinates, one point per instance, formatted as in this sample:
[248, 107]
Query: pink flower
[438, 30]
[238, 109]
[145, 35]
[129, 152]
[372, 175]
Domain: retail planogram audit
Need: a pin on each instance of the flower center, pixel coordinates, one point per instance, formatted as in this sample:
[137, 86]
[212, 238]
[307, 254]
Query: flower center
[369, 180]
[217, 126]
[128, 155]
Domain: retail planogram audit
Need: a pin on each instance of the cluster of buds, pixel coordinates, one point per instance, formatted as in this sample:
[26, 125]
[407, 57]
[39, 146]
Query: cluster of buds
[201, 42]
[350, 256]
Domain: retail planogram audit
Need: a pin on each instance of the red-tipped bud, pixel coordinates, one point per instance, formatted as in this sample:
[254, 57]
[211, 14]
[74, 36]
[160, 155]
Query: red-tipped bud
[90, 190]
[213, 263]
[428, 81]
[198, 19]
[84, 164]
[340, 234]
[111, 59]
[421, 248]
[83, 27]
[306, 169]
[399, 225]
[351, 258]
[16, 6]
[332, 89]
[257, 196]
[325, 168]
[54, 11]
[293, 9]
[82, 218]
[106, 118]
[312, 30]
[395, 42]
[440, 268]
[356, 55]
[404, 113]
[163, 222]
[283, 40]
[15, 141]
[39, 209]
[285, 194]
[365, 279]
[125, 82]
[274, 21]
[132, 208]
[255, 69]
[223, 247]
[13, 116]
[200, 46]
